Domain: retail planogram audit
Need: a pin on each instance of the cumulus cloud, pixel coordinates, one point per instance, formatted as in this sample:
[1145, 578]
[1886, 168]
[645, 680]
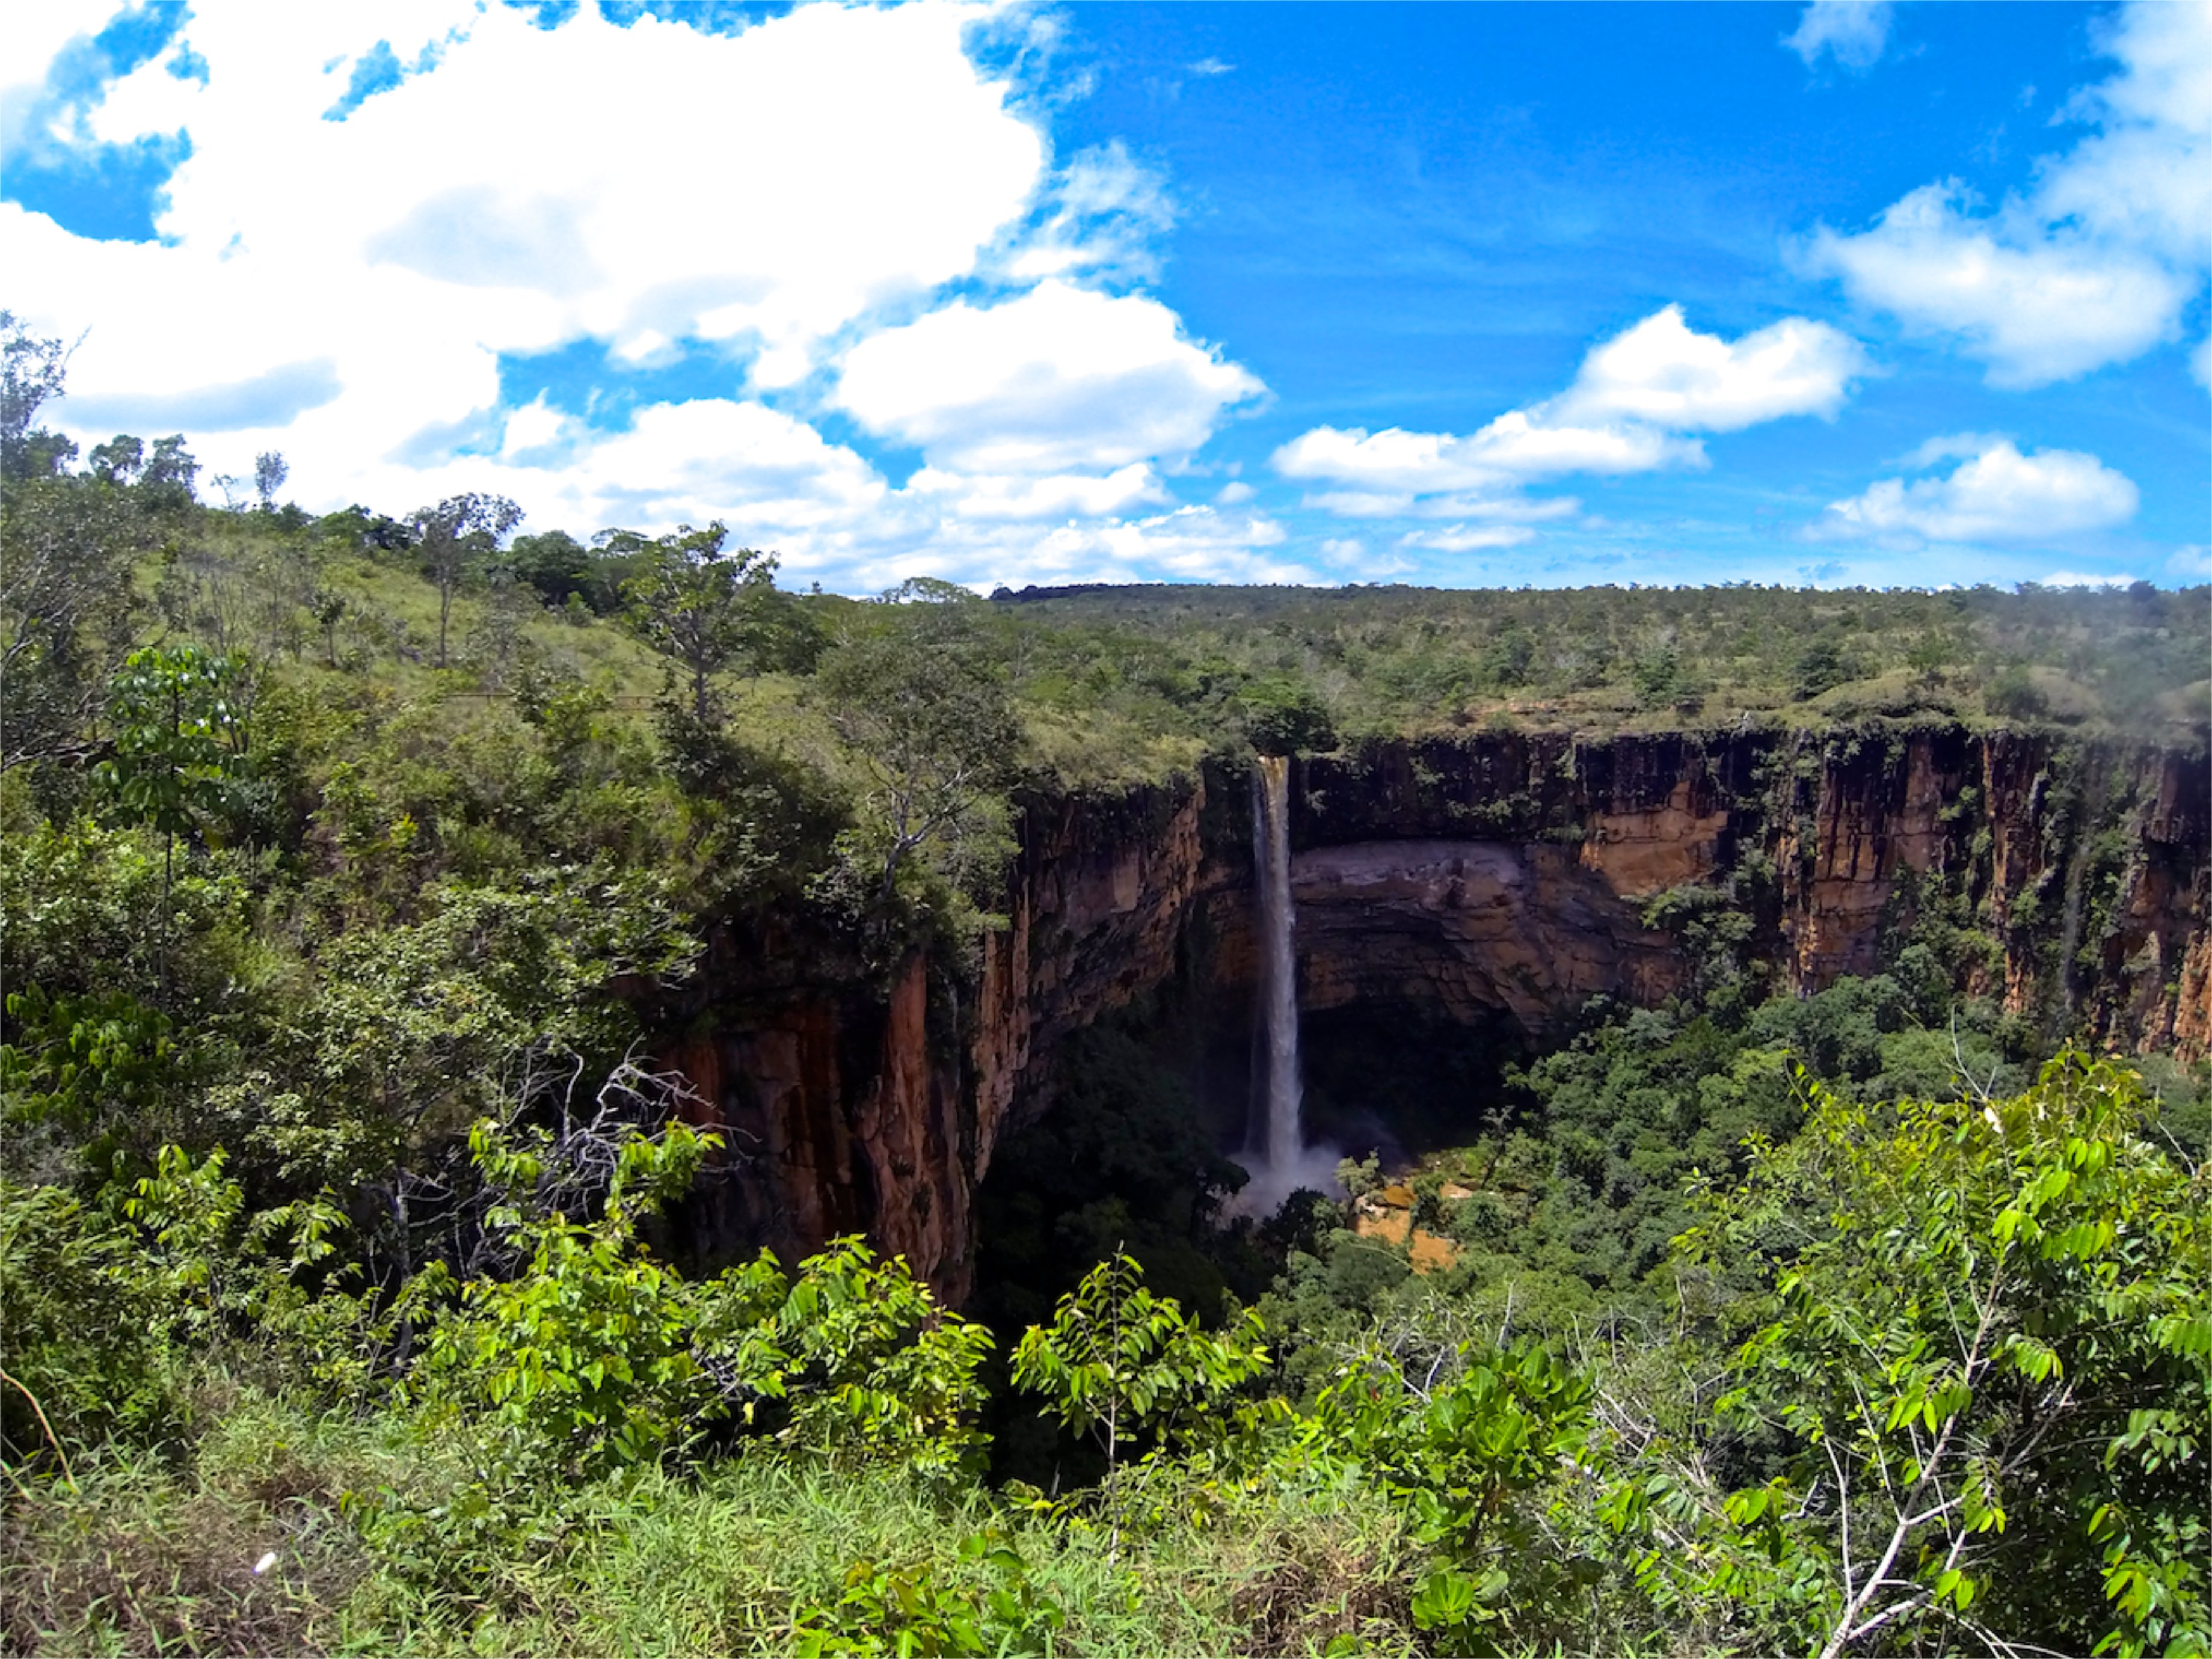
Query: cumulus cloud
[1061, 496]
[1632, 407]
[1061, 379]
[2002, 496]
[2035, 306]
[2099, 260]
[354, 289]
[1196, 543]
[1664, 374]
[1852, 32]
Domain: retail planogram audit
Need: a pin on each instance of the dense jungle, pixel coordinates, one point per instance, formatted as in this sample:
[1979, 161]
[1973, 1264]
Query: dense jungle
[558, 1096]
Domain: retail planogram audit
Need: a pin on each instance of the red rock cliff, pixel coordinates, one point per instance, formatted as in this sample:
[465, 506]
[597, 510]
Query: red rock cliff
[1498, 871]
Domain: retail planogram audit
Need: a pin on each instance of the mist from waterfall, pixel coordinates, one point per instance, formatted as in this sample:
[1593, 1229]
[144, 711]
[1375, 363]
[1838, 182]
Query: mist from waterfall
[1276, 1155]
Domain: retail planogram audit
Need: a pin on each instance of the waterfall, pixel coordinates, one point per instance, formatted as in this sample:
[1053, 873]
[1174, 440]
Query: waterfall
[1278, 1137]
[1276, 1155]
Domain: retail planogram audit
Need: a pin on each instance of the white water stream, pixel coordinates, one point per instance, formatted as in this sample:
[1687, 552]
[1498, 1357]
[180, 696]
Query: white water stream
[1277, 1156]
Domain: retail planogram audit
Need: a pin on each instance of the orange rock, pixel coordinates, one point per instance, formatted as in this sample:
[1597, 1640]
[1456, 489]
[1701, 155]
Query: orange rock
[1433, 1254]
[1391, 1226]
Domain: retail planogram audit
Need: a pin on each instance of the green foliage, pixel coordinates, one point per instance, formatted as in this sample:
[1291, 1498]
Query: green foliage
[1986, 1362]
[939, 737]
[67, 604]
[1118, 1363]
[592, 1356]
[581, 1361]
[179, 739]
[86, 1059]
[705, 610]
[1284, 717]
[1461, 1438]
[906, 1613]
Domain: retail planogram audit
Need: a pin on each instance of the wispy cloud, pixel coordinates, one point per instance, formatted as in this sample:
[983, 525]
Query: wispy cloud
[1852, 32]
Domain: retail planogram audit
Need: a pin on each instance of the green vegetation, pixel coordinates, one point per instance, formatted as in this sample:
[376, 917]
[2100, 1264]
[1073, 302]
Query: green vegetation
[342, 1304]
[1932, 1372]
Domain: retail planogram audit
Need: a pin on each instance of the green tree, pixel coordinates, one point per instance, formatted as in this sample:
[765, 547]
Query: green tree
[120, 460]
[180, 745]
[170, 472]
[1118, 1361]
[1987, 1355]
[553, 563]
[704, 609]
[939, 739]
[455, 539]
[67, 600]
[32, 371]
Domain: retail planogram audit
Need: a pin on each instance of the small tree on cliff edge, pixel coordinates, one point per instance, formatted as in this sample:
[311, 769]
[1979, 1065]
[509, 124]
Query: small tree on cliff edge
[939, 737]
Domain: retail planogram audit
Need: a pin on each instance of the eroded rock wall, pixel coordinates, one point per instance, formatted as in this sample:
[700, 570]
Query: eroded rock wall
[1489, 871]
[858, 1099]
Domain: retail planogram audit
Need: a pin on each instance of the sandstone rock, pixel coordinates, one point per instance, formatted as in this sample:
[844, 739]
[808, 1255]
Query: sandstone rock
[1466, 876]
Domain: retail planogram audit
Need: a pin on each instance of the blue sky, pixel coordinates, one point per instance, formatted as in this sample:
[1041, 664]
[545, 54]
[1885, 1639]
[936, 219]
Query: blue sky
[1460, 294]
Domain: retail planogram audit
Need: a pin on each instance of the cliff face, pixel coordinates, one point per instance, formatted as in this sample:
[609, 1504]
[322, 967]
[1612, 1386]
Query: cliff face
[853, 1104]
[1497, 872]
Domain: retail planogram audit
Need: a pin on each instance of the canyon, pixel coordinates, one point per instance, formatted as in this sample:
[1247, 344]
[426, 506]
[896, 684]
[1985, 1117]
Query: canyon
[1483, 875]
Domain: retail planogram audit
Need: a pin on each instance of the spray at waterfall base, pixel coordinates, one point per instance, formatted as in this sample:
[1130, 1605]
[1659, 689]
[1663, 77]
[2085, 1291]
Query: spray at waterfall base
[1277, 1156]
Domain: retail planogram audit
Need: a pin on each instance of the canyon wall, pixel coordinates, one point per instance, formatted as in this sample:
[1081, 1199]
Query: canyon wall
[1492, 871]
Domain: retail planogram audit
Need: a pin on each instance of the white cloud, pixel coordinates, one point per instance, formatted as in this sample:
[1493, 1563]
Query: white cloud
[2098, 261]
[450, 220]
[1064, 495]
[1663, 373]
[1949, 446]
[1061, 380]
[1193, 543]
[1459, 539]
[754, 210]
[1854, 32]
[1108, 213]
[2001, 496]
[2035, 307]
[1235, 493]
[1390, 468]
[1636, 397]
[2194, 560]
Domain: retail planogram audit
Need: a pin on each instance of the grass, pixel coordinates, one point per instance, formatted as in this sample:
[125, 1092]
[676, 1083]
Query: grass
[153, 1553]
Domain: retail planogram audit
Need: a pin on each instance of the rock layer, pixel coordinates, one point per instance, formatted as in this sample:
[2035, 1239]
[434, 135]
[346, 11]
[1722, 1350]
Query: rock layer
[1495, 871]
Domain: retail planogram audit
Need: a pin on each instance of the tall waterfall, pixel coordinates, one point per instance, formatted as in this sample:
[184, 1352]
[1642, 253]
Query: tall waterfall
[1276, 1155]
[1278, 1136]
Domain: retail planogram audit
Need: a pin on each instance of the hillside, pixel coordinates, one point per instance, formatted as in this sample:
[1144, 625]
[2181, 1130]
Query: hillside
[567, 1096]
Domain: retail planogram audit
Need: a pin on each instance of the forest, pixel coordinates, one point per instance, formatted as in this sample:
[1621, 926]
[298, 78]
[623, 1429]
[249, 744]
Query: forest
[351, 865]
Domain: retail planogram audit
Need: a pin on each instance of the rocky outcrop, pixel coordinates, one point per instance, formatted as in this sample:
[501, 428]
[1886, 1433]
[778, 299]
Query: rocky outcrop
[1492, 872]
[851, 1100]
[1464, 926]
